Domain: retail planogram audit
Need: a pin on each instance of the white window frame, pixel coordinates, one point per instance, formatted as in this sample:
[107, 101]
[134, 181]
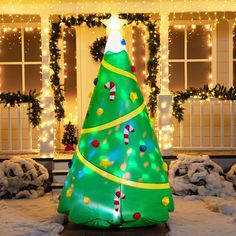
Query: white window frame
[186, 60]
[23, 63]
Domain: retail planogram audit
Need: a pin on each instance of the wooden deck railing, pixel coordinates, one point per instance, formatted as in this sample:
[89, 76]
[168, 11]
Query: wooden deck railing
[207, 125]
[16, 132]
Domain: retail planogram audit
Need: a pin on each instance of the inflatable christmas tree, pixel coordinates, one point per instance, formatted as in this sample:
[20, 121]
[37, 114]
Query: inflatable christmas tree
[118, 177]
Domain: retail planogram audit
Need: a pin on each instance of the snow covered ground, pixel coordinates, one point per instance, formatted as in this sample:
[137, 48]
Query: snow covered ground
[194, 215]
[30, 217]
[203, 216]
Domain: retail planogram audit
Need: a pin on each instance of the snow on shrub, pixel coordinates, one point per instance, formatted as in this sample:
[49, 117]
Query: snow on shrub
[198, 175]
[231, 174]
[22, 178]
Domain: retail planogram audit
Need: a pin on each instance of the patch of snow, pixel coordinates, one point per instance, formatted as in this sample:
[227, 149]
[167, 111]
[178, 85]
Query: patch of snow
[198, 175]
[202, 216]
[231, 174]
[22, 178]
[224, 206]
[31, 217]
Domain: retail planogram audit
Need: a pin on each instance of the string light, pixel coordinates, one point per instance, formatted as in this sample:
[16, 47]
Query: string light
[47, 125]
[45, 69]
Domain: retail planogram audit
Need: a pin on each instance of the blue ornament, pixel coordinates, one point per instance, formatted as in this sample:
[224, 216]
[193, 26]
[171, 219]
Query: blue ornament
[143, 148]
[95, 81]
[123, 42]
[69, 164]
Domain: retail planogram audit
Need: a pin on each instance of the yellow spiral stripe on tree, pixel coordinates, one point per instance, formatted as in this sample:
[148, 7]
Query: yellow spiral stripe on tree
[118, 71]
[118, 179]
[115, 122]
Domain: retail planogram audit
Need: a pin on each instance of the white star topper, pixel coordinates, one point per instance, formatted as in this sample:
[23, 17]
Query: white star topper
[114, 23]
[114, 31]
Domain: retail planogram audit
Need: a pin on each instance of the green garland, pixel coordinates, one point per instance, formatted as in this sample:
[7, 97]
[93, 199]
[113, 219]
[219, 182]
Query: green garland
[152, 67]
[93, 20]
[34, 110]
[219, 91]
[55, 79]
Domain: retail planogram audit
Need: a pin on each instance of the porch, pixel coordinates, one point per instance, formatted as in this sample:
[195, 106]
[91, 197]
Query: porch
[206, 126]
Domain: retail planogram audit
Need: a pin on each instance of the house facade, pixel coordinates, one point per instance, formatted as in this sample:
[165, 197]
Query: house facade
[197, 41]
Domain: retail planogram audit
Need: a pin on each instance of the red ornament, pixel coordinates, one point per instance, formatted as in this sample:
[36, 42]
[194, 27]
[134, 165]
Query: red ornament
[118, 194]
[95, 143]
[136, 215]
[133, 69]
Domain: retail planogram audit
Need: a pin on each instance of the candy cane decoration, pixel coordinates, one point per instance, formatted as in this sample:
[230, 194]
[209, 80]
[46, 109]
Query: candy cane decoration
[118, 196]
[112, 87]
[127, 129]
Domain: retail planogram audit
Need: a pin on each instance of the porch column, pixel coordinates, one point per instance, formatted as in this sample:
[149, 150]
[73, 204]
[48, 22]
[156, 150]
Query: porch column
[165, 98]
[47, 101]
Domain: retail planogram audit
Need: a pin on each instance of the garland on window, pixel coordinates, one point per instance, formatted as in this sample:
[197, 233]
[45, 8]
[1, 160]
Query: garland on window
[55, 53]
[96, 20]
[219, 91]
[34, 109]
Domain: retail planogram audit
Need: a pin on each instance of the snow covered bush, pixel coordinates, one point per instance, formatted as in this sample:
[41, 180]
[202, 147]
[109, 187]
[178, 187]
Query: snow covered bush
[22, 178]
[198, 175]
[231, 174]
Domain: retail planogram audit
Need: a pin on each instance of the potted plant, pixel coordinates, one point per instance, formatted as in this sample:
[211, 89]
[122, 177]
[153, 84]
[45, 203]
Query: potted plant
[69, 137]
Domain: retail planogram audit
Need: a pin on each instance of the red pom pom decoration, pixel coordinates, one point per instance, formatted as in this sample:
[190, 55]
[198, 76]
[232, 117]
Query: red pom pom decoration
[118, 194]
[136, 215]
[95, 143]
[133, 69]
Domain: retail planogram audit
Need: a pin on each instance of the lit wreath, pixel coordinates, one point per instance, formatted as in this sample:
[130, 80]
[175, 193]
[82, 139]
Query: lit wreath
[97, 48]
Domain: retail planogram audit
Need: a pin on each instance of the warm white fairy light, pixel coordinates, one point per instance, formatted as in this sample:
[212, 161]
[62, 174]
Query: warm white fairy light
[165, 99]
[46, 134]
[68, 7]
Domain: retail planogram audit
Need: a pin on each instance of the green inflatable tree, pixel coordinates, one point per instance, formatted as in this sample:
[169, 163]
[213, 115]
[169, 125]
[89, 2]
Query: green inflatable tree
[118, 177]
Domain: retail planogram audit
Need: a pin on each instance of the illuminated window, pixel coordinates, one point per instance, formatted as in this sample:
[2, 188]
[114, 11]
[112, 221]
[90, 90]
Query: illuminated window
[234, 55]
[190, 56]
[20, 53]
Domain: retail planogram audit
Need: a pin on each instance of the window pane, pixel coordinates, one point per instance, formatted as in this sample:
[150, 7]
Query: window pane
[176, 71]
[10, 78]
[176, 43]
[70, 71]
[32, 42]
[33, 78]
[234, 82]
[139, 54]
[234, 42]
[198, 41]
[10, 45]
[198, 73]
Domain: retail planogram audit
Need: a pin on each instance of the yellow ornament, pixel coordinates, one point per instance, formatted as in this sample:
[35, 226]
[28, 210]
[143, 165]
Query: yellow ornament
[133, 96]
[86, 200]
[105, 163]
[69, 192]
[165, 201]
[90, 94]
[165, 166]
[99, 111]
